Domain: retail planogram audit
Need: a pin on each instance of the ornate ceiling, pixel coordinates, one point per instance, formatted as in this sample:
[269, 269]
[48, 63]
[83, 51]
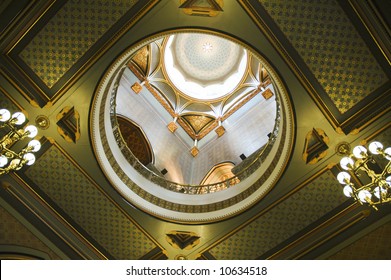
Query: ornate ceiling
[333, 58]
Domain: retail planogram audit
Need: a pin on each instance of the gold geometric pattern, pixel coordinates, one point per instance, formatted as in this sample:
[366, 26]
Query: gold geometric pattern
[12, 232]
[331, 47]
[197, 123]
[69, 35]
[285, 219]
[182, 239]
[201, 7]
[374, 246]
[81, 199]
[141, 59]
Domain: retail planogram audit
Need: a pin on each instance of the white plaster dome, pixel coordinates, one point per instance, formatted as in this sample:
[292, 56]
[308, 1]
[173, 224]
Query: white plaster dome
[203, 66]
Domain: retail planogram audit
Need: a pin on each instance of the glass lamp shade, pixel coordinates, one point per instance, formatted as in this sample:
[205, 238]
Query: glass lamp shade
[34, 145]
[360, 152]
[379, 190]
[388, 180]
[347, 163]
[20, 118]
[3, 161]
[363, 195]
[387, 153]
[30, 158]
[348, 191]
[31, 131]
[375, 147]
[343, 177]
[5, 115]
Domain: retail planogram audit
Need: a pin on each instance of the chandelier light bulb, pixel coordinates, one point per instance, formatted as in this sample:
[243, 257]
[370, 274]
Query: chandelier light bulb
[31, 131]
[375, 147]
[343, 177]
[30, 158]
[348, 191]
[379, 190]
[5, 115]
[34, 145]
[364, 195]
[388, 180]
[20, 118]
[3, 161]
[360, 152]
[347, 163]
[387, 153]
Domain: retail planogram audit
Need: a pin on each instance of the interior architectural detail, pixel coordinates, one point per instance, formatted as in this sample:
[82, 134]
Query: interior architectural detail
[315, 146]
[136, 140]
[183, 240]
[202, 8]
[197, 129]
[42, 122]
[68, 124]
[219, 173]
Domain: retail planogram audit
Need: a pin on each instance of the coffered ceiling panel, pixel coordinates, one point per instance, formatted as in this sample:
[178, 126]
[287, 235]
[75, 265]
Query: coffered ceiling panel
[14, 232]
[293, 214]
[341, 63]
[72, 192]
[66, 36]
[375, 245]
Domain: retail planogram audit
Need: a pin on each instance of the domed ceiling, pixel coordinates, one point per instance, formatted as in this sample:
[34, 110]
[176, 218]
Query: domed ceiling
[202, 66]
[212, 113]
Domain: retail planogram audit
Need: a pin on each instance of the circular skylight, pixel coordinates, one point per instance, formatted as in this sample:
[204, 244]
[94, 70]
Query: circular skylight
[203, 66]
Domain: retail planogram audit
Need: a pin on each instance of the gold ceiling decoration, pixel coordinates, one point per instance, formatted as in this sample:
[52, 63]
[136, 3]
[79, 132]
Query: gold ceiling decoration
[141, 59]
[315, 146]
[197, 122]
[68, 124]
[183, 240]
[209, 8]
[256, 80]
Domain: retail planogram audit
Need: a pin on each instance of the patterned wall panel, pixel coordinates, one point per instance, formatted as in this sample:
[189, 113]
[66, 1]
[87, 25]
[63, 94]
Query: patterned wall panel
[331, 47]
[374, 246]
[7, 103]
[77, 195]
[69, 34]
[287, 218]
[14, 233]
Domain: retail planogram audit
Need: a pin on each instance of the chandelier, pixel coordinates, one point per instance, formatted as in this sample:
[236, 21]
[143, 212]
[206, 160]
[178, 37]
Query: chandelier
[375, 165]
[11, 133]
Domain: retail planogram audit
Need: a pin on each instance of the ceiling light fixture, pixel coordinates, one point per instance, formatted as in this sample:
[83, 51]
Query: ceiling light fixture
[378, 170]
[9, 125]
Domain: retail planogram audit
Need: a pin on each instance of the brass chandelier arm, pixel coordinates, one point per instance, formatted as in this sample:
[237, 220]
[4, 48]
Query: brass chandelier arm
[378, 191]
[11, 160]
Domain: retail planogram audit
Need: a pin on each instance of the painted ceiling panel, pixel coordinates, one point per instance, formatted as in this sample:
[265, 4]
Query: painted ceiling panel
[329, 44]
[295, 213]
[14, 232]
[73, 192]
[69, 35]
[375, 245]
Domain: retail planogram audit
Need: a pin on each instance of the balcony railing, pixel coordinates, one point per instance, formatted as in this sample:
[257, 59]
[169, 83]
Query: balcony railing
[159, 180]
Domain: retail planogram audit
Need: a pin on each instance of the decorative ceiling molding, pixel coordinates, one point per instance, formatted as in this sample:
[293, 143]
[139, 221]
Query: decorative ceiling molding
[66, 188]
[209, 8]
[68, 124]
[342, 68]
[315, 146]
[255, 80]
[183, 240]
[49, 54]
